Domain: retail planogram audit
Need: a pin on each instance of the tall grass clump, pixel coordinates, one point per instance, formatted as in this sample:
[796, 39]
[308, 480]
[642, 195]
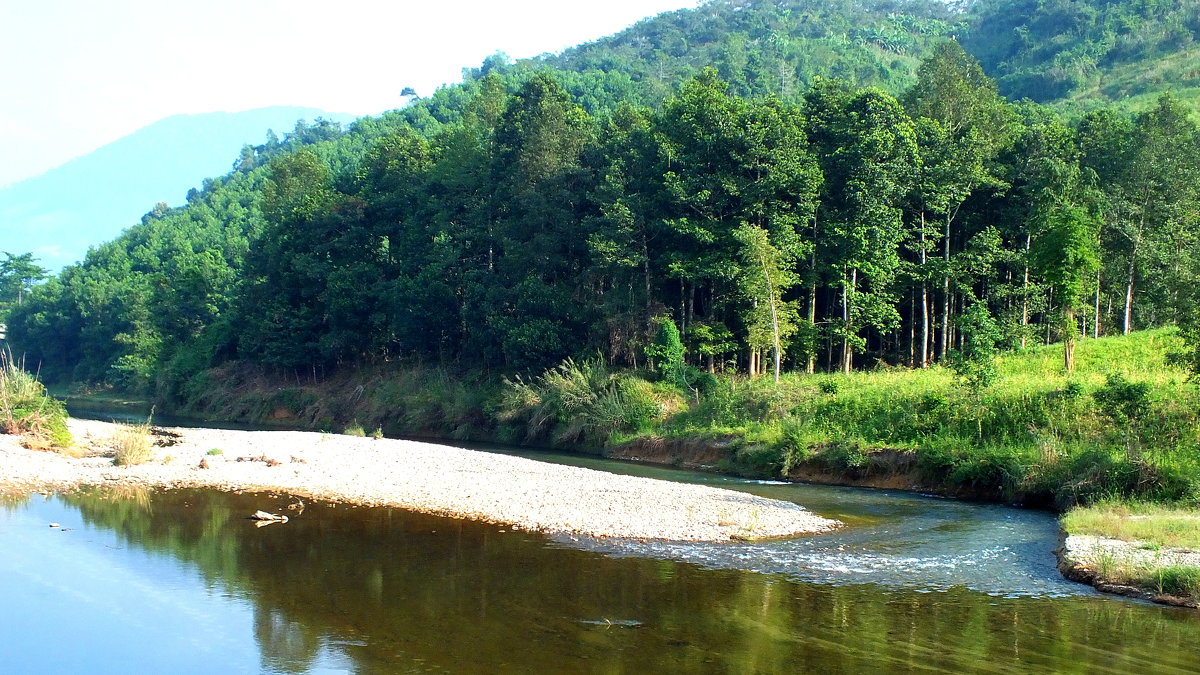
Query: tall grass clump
[132, 444]
[583, 401]
[26, 408]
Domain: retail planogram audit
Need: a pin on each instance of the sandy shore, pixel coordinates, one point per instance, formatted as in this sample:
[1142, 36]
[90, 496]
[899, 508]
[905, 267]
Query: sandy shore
[423, 477]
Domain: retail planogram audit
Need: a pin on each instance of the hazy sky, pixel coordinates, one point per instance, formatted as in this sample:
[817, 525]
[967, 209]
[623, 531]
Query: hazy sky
[81, 73]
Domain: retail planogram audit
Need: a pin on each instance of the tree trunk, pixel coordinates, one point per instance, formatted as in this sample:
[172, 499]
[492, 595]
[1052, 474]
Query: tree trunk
[1096, 316]
[924, 301]
[1128, 326]
[847, 351]
[811, 366]
[1025, 293]
[774, 318]
[946, 291]
[1069, 340]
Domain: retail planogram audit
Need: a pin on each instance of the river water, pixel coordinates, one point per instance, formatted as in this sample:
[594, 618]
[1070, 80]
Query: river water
[180, 581]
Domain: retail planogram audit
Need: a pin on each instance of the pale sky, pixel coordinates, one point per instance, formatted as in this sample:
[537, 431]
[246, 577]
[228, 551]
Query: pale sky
[79, 74]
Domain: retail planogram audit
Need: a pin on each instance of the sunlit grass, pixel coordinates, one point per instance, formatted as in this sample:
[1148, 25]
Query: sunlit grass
[26, 409]
[132, 444]
[1153, 524]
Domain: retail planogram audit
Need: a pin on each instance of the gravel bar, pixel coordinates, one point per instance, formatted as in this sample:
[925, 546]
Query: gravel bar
[423, 477]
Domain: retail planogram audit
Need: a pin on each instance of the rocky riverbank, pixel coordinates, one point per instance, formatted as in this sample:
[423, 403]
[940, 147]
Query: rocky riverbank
[1124, 568]
[424, 477]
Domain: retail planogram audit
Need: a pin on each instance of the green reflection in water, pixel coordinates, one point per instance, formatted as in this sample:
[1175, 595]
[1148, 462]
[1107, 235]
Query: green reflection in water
[389, 591]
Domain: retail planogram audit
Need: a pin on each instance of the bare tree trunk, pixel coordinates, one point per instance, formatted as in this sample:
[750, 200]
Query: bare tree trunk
[1025, 293]
[1096, 316]
[774, 318]
[912, 330]
[1069, 340]
[1128, 326]
[646, 274]
[924, 301]
[811, 366]
[847, 350]
[946, 291]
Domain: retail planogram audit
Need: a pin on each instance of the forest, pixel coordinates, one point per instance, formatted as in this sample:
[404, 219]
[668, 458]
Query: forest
[575, 205]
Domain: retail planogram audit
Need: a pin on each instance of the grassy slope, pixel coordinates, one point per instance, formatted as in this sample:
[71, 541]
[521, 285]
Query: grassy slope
[1035, 433]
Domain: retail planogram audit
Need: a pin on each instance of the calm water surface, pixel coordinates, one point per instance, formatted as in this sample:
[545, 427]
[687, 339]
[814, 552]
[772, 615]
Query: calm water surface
[180, 581]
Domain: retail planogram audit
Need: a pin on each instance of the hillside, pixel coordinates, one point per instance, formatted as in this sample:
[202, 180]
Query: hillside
[1074, 54]
[89, 200]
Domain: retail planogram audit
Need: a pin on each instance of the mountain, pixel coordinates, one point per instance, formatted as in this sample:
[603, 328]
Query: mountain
[89, 200]
[1074, 55]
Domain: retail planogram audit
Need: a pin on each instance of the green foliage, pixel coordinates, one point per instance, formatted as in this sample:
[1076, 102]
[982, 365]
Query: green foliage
[1123, 401]
[354, 429]
[26, 408]
[581, 402]
[666, 352]
[975, 361]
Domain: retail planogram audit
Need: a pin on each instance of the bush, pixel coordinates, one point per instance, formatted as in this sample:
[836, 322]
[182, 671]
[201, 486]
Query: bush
[580, 401]
[355, 429]
[1123, 401]
[25, 408]
[667, 352]
[841, 457]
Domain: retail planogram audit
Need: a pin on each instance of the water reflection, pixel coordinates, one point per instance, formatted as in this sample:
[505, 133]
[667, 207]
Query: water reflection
[379, 590]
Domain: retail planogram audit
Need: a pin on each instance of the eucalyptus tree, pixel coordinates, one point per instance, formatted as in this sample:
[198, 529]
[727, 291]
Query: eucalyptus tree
[731, 163]
[541, 187]
[1150, 170]
[963, 124]
[18, 275]
[867, 148]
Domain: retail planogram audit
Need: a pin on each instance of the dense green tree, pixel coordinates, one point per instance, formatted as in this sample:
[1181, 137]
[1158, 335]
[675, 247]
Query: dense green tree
[18, 275]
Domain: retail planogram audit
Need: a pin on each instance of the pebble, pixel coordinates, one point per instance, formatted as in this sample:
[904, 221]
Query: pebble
[425, 477]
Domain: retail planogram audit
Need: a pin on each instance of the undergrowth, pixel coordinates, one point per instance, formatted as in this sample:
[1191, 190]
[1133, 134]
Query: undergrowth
[26, 409]
[1123, 426]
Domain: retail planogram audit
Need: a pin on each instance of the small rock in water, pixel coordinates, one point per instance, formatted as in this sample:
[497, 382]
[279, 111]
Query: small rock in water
[204, 464]
[55, 525]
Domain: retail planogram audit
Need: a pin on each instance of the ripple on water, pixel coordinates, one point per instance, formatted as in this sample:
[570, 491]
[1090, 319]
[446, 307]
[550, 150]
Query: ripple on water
[892, 539]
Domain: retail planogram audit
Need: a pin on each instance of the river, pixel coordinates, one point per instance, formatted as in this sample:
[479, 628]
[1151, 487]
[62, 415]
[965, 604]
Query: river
[180, 581]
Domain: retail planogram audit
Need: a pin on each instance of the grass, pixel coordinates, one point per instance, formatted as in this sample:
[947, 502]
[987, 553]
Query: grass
[1156, 525]
[1158, 529]
[26, 409]
[1125, 425]
[132, 444]
[354, 429]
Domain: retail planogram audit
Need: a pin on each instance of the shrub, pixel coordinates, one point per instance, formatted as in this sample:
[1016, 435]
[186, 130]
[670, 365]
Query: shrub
[25, 408]
[1123, 401]
[354, 429]
[841, 457]
[580, 401]
[667, 352]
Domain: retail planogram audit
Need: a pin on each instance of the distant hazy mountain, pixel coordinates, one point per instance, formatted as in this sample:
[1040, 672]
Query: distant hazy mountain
[89, 200]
